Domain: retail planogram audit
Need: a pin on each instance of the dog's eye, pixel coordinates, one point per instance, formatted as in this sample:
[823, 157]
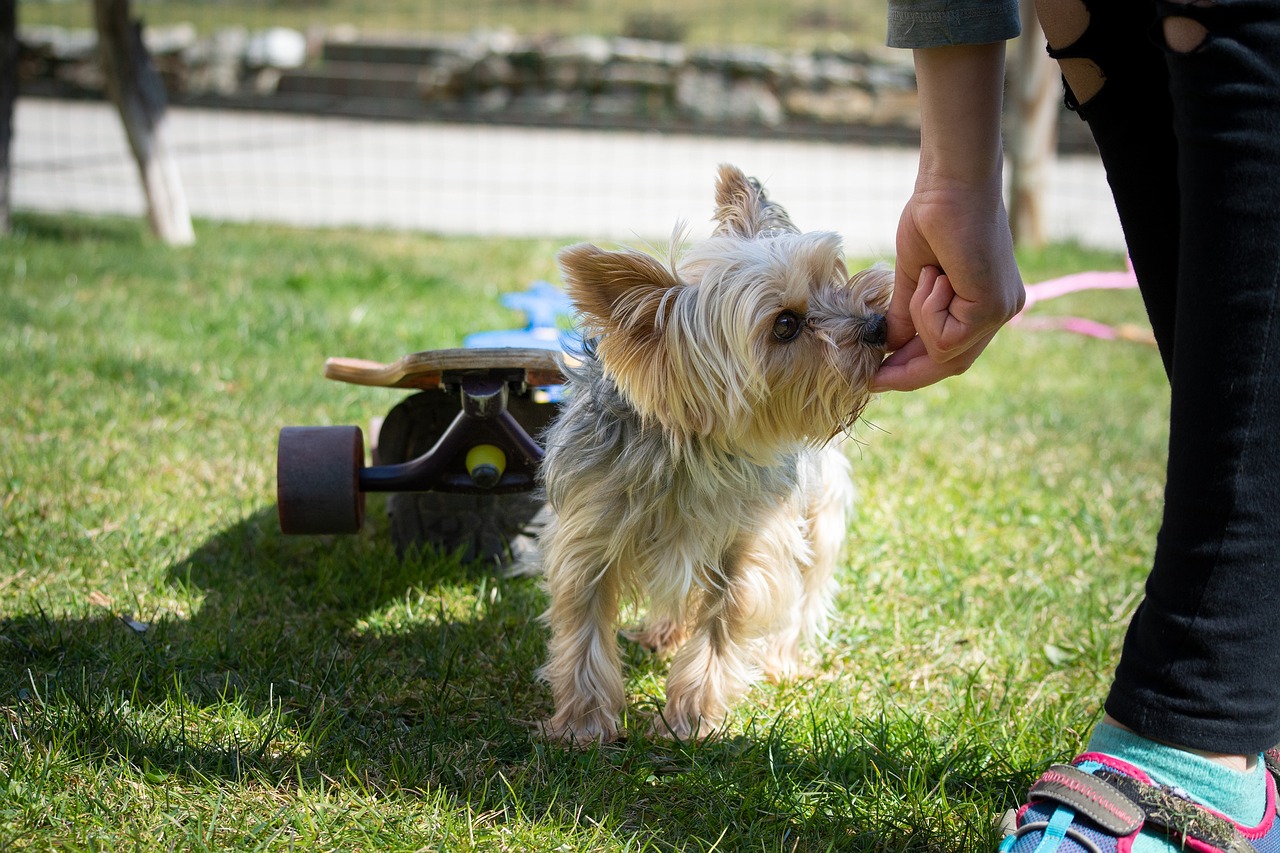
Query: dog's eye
[787, 325]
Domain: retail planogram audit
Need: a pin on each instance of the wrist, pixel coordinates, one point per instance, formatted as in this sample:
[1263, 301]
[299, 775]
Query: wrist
[961, 92]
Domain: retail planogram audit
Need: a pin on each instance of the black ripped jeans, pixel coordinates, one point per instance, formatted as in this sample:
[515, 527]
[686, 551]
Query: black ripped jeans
[1191, 145]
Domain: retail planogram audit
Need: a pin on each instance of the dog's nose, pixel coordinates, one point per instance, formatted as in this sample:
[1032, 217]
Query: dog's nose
[876, 330]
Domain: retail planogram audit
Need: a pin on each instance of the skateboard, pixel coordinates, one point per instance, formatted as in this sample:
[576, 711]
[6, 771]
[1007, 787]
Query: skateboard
[459, 457]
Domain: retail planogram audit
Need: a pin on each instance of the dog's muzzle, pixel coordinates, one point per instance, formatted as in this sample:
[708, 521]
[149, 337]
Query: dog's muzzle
[875, 330]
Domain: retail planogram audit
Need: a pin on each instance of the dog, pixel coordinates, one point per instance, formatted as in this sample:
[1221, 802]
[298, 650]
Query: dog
[696, 464]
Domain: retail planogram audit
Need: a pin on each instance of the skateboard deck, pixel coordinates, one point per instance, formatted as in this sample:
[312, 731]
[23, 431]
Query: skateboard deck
[427, 370]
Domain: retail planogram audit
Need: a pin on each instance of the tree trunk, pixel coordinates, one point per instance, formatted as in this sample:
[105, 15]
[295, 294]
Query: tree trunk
[135, 87]
[1033, 135]
[8, 94]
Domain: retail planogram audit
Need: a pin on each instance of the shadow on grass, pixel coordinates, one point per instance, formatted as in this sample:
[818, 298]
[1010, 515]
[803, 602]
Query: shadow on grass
[327, 660]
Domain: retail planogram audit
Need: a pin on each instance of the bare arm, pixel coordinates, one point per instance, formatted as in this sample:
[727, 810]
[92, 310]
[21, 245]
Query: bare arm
[956, 281]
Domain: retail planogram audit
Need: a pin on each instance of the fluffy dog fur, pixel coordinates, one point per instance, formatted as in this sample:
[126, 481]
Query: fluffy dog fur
[697, 463]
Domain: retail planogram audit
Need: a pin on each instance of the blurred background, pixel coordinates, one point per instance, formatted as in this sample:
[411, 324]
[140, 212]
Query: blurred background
[547, 118]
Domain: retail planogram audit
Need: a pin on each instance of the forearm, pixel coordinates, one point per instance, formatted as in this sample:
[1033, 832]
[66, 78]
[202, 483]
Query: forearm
[956, 281]
[961, 91]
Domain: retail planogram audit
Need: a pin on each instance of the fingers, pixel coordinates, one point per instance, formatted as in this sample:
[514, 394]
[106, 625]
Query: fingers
[945, 343]
[936, 313]
[949, 322]
[898, 315]
[919, 306]
[929, 316]
[930, 308]
[912, 367]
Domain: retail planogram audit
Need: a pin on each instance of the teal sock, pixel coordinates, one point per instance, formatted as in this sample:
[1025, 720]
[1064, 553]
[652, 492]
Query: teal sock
[1241, 796]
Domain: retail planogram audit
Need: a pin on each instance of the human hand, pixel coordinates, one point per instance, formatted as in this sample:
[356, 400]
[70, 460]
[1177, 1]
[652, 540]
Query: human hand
[955, 284]
[956, 281]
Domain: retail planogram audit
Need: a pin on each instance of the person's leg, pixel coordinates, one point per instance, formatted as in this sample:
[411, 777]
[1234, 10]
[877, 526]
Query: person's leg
[1188, 126]
[1116, 80]
[1191, 140]
[1200, 661]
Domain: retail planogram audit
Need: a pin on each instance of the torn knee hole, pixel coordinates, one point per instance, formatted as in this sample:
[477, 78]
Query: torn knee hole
[1066, 28]
[1063, 21]
[1183, 35]
[1083, 77]
[1182, 26]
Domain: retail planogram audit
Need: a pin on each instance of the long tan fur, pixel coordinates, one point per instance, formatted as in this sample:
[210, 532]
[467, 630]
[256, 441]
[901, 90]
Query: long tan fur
[697, 465]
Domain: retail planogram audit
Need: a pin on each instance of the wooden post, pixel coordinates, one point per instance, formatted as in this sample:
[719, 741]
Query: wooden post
[135, 87]
[8, 94]
[1033, 134]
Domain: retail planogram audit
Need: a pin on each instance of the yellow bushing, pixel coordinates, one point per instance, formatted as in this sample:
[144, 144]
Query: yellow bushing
[485, 464]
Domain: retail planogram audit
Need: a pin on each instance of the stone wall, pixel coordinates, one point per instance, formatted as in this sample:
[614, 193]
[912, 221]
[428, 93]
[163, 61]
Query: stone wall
[499, 76]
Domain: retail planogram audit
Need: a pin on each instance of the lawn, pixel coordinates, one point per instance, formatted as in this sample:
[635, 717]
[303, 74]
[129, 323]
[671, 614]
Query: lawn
[811, 24]
[176, 674]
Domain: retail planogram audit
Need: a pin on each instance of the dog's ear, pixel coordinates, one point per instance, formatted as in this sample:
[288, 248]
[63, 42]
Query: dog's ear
[621, 290]
[743, 209]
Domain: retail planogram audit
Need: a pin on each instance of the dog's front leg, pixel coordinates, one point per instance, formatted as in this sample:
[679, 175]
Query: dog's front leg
[711, 670]
[829, 498]
[584, 669]
[755, 588]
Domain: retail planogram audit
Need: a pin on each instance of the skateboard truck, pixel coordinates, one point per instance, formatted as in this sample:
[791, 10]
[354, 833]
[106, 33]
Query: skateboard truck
[321, 476]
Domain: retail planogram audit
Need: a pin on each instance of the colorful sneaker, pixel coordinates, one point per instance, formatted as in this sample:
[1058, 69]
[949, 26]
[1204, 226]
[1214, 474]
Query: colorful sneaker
[1099, 804]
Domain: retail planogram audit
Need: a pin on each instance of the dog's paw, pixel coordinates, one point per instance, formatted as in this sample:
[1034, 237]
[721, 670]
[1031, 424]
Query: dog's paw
[681, 728]
[581, 732]
[784, 668]
[662, 637]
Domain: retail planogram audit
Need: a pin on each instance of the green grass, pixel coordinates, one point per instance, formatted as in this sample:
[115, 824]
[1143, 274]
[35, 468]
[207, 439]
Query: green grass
[809, 25]
[319, 694]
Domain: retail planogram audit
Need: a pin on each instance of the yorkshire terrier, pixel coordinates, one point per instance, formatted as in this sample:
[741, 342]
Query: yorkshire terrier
[696, 464]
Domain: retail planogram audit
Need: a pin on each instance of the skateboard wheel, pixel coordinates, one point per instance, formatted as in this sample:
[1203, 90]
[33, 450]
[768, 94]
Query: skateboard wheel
[318, 479]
